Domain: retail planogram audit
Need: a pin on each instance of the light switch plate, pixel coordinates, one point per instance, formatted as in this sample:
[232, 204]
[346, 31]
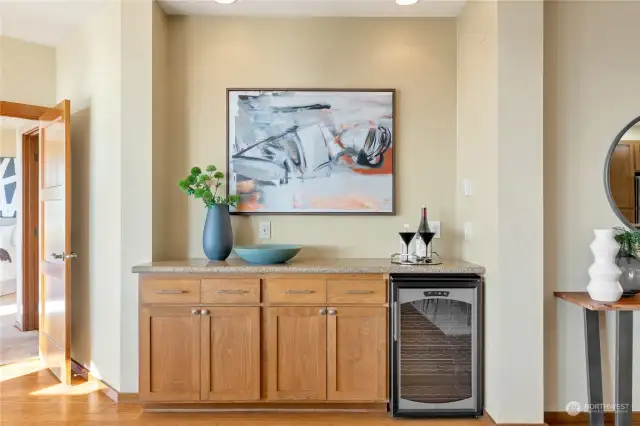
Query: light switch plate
[466, 188]
[468, 231]
[434, 225]
[265, 230]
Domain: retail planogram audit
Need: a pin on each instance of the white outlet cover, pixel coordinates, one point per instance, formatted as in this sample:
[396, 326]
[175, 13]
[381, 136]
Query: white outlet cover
[265, 230]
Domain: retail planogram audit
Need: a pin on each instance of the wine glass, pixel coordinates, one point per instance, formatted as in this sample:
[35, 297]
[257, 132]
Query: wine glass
[407, 235]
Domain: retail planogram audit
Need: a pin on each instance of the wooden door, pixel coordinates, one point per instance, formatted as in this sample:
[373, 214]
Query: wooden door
[622, 178]
[230, 351]
[55, 251]
[357, 354]
[169, 353]
[297, 353]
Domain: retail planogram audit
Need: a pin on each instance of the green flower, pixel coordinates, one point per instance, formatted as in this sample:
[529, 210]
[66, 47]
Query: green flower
[203, 178]
[218, 175]
[207, 196]
[183, 184]
[195, 171]
[199, 193]
[211, 168]
[191, 180]
[234, 199]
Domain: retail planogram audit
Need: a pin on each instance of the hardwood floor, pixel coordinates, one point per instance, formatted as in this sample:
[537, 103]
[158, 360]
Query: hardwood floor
[29, 396]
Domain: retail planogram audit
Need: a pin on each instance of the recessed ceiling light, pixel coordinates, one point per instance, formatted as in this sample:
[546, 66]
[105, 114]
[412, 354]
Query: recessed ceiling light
[225, 1]
[406, 2]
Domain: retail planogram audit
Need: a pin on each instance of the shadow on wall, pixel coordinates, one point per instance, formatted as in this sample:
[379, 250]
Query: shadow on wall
[177, 160]
[80, 235]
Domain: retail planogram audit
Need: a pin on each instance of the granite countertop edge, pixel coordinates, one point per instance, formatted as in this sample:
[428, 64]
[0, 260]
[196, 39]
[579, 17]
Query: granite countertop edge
[447, 267]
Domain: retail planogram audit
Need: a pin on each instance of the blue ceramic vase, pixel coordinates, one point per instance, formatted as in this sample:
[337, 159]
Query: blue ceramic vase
[217, 238]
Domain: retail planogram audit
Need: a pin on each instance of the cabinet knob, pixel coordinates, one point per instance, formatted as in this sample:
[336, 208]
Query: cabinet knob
[332, 312]
[195, 312]
[323, 311]
[204, 312]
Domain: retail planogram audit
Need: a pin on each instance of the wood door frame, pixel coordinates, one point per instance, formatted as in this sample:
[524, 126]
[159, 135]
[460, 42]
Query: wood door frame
[30, 173]
[24, 111]
[24, 322]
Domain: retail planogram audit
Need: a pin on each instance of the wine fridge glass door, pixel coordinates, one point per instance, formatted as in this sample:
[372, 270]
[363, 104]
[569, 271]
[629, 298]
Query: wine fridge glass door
[437, 346]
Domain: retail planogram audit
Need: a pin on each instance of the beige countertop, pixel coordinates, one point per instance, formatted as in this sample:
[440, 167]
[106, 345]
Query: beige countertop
[306, 266]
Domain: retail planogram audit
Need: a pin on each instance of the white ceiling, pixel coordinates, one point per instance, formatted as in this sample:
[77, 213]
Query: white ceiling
[284, 8]
[50, 21]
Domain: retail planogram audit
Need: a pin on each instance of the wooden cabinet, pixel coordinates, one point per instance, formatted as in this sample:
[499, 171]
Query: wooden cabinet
[169, 353]
[310, 338]
[357, 353]
[230, 353]
[297, 353]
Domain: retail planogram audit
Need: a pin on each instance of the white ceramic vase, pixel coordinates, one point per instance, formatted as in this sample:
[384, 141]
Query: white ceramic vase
[604, 273]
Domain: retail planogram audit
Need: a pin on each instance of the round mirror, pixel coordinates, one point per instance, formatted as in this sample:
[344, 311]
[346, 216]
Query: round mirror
[622, 175]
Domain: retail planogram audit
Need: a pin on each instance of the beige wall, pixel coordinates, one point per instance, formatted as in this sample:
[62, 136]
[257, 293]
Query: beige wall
[137, 180]
[591, 93]
[500, 72]
[89, 75]
[27, 72]
[105, 69]
[8, 142]
[162, 184]
[477, 105]
[415, 56]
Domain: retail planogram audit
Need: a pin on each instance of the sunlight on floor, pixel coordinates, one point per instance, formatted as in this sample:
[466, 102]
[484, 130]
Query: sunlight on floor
[18, 369]
[8, 310]
[60, 389]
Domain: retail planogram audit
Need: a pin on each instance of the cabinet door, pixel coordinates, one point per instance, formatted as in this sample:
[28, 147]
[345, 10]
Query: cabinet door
[230, 353]
[169, 353]
[297, 353]
[357, 352]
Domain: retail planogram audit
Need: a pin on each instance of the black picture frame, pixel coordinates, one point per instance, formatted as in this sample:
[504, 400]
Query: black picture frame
[339, 90]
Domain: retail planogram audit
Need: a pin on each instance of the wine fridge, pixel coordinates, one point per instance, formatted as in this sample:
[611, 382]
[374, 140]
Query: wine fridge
[436, 350]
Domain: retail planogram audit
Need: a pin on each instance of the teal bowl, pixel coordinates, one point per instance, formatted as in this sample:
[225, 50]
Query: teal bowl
[267, 254]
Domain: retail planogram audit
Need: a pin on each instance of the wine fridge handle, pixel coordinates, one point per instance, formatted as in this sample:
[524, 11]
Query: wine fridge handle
[396, 319]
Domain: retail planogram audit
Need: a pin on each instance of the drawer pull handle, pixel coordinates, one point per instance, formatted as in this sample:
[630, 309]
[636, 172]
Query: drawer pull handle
[232, 291]
[170, 291]
[299, 291]
[359, 292]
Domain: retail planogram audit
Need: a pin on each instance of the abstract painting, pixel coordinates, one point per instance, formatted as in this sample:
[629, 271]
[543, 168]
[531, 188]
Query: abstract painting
[8, 182]
[311, 151]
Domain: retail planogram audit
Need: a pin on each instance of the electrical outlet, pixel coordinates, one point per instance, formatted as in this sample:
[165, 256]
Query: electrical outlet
[435, 227]
[265, 230]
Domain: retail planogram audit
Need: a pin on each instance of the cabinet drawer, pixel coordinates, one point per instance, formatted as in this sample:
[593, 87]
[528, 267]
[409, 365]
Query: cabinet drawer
[232, 290]
[170, 291]
[296, 291]
[356, 291]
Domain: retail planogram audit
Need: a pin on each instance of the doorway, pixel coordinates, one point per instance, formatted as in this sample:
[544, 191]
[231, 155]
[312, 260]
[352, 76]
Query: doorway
[18, 245]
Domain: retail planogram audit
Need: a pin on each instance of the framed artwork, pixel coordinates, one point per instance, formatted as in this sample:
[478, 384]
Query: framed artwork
[303, 151]
[9, 182]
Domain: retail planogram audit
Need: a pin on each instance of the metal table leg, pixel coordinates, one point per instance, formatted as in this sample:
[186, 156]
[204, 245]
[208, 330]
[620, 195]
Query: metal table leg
[624, 364]
[594, 367]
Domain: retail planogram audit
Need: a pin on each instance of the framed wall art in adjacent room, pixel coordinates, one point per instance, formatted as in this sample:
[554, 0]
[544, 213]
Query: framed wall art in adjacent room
[311, 151]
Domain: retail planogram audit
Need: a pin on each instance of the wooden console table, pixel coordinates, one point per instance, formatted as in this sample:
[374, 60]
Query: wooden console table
[624, 354]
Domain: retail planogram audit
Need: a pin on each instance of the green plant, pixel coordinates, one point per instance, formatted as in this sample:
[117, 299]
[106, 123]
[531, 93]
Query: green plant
[199, 185]
[629, 241]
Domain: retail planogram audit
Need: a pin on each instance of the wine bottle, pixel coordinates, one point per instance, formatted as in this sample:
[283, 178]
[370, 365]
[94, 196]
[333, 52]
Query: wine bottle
[421, 247]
